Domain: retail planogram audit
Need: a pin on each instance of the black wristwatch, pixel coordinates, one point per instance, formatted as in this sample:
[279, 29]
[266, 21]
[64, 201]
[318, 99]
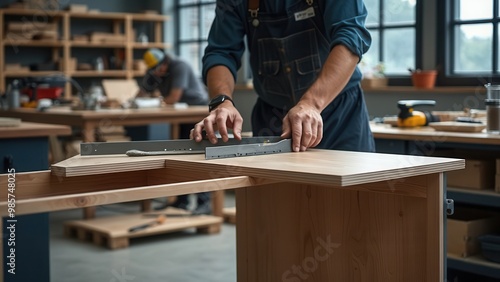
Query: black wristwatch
[217, 101]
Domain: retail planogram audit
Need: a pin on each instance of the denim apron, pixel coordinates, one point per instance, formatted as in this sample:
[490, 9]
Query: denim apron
[287, 52]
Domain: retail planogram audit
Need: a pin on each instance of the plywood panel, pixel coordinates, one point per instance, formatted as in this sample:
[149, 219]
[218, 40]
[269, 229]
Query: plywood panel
[120, 90]
[42, 192]
[323, 167]
[293, 232]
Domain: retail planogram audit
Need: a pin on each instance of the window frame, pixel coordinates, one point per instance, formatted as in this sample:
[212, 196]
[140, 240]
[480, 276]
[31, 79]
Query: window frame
[199, 40]
[401, 80]
[446, 29]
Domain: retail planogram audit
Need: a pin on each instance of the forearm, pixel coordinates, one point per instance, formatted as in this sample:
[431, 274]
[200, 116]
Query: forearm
[220, 81]
[174, 96]
[334, 76]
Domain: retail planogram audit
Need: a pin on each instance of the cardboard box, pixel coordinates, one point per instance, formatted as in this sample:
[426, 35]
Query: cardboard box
[465, 226]
[478, 174]
[77, 8]
[369, 83]
[72, 64]
[101, 37]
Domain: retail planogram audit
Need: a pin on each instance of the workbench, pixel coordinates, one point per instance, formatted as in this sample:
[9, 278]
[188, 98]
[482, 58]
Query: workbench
[26, 148]
[427, 141]
[320, 215]
[92, 121]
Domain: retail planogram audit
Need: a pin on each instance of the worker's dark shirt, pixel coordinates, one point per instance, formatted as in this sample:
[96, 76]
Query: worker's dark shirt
[287, 51]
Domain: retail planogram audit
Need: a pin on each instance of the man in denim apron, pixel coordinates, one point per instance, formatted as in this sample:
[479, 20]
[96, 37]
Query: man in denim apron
[304, 56]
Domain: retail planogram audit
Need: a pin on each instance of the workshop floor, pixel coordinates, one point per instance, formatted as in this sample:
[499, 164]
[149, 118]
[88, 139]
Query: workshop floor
[181, 256]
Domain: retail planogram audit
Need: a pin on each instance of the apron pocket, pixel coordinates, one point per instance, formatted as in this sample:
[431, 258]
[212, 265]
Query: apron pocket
[307, 71]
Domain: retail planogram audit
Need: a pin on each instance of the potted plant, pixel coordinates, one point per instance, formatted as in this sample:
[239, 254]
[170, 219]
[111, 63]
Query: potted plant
[373, 76]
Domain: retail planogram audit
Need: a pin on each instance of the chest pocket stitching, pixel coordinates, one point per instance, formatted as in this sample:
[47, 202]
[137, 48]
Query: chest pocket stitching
[308, 64]
[270, 68]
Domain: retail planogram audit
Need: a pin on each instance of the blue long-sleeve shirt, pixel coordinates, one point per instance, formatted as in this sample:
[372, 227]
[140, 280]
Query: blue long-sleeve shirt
[343, 24]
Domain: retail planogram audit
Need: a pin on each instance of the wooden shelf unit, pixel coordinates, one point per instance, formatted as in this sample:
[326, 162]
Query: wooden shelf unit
[122, 23]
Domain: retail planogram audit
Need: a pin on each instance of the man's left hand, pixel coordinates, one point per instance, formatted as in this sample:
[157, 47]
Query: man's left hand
[305, 125]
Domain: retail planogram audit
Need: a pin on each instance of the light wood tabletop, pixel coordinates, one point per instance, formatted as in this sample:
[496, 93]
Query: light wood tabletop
[30, 129]
[426, 133]
[89, 121]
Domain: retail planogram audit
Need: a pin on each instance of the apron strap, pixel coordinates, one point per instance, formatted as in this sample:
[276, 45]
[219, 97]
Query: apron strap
[253, 7]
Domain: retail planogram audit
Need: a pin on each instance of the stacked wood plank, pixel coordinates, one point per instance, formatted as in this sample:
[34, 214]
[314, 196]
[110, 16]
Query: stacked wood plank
[106, 37]
[27, 30]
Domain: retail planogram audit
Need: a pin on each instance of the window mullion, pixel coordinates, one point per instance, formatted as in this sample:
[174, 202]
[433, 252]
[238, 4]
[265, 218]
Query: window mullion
[495, 37]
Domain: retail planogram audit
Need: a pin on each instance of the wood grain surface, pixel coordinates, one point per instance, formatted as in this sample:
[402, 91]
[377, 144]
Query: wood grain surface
[28, 129]
[426, 133]
[325, 167]
[299, 232]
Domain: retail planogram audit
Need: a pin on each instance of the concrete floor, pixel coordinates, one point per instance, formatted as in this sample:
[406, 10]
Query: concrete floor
[179, 256]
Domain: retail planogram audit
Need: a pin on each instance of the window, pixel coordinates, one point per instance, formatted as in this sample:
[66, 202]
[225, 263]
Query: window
[194, 19]
[470, 52]
[393, 26]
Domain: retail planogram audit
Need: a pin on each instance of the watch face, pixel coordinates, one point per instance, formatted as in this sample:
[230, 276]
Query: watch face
[216, 101]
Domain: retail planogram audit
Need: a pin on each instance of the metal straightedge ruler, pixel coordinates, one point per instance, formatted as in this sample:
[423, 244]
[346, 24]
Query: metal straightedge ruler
[250, 146]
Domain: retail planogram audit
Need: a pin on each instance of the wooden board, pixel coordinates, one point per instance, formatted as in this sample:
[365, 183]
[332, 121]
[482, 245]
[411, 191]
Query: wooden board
[28, 129]
[428, 134]
[120, 89]
[326, 167]
[340, 234]
[9, 122]
[457, 126]
[112, 231]
[229, 215]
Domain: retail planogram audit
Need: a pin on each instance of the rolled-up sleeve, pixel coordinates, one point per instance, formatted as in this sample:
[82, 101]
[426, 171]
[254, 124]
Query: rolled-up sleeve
[225, 39]
[345, 24]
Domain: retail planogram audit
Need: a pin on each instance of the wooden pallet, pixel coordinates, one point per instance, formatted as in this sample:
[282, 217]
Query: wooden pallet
[229, 215]
[112, 231]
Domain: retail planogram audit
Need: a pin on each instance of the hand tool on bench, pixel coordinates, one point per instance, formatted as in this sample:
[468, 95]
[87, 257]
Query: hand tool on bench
[249, 146]
[159, 220]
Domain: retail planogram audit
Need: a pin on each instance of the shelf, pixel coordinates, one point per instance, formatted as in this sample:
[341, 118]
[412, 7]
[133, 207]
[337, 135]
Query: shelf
[139, 45]
[32, 12]
[65, 49]
[488, 198]
[150, 17]
[33, 43]
[474, 264]
[98, 45]
[31, 73]
[100, 15]
[105, 73]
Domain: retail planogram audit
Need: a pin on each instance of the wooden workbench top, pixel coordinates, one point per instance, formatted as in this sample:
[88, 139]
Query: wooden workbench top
[325, 167]
[29, 129]
[425, 133]
[103, 113]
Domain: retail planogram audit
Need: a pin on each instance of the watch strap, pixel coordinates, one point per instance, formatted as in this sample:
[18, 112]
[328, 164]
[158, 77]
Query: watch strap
[219, 99]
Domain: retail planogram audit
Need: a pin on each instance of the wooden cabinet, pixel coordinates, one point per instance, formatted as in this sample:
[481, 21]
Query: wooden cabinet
[426, 141]
[64, 47]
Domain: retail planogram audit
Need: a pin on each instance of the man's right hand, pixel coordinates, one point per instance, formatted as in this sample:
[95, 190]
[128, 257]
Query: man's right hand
[222, 118]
